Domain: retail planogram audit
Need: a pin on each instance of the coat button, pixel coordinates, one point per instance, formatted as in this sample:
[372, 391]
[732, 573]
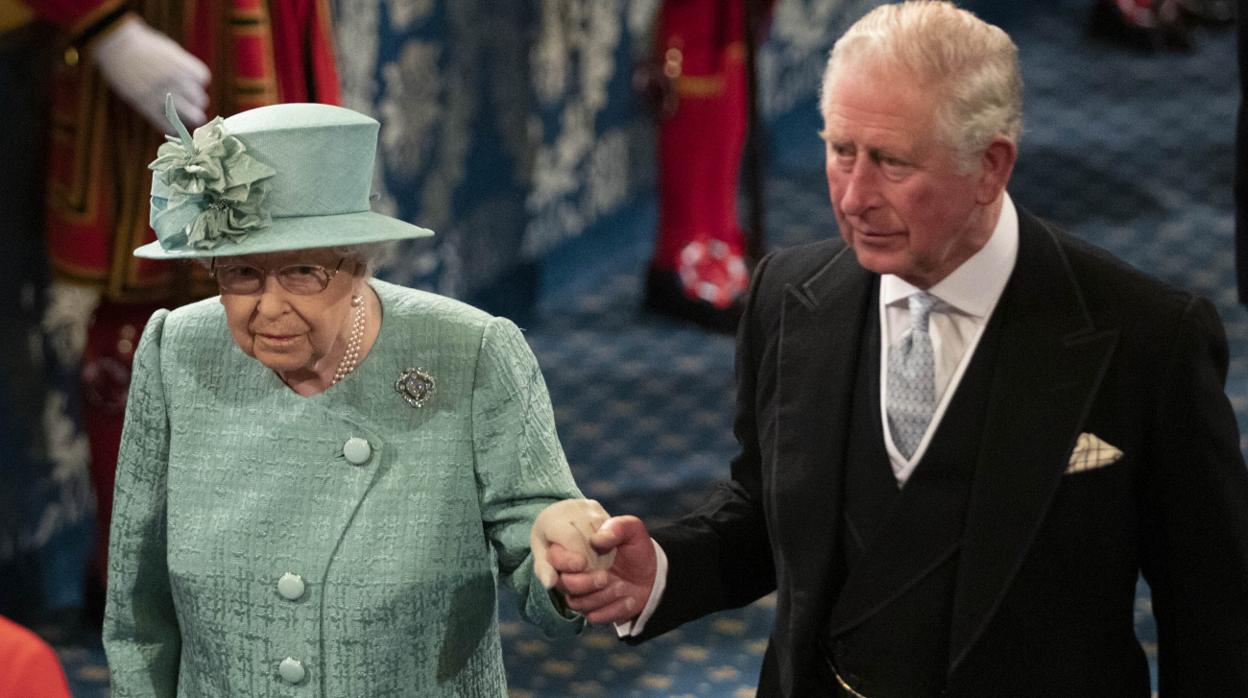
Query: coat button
[292, 670]
[290, 586]
[357, 450]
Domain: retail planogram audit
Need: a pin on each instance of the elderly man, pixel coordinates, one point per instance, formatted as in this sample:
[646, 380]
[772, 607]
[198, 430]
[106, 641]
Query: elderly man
[963, 433]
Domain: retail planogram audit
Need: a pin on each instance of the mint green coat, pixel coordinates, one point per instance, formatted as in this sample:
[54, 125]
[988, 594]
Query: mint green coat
[251, 557]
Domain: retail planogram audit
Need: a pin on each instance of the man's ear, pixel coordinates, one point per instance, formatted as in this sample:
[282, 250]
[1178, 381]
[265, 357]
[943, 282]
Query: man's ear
[996, 165]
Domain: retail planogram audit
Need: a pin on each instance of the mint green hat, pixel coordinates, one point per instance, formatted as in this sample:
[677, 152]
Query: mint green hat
[282, 177]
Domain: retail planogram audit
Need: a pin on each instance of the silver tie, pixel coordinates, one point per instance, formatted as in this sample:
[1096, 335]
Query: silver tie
[912, 379]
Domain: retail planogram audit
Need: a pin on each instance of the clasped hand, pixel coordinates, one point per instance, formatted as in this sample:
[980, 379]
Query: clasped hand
[604, 567]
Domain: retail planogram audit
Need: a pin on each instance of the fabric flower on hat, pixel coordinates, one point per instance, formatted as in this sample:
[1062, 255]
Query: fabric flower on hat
[213, 172]
[229, 218]
[196, 167]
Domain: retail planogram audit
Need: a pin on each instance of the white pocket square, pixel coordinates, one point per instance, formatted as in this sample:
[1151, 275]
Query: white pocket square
[1091, 452]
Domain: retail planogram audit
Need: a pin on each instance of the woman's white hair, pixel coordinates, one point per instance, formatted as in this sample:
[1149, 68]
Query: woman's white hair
[971, 66]
[370, 254]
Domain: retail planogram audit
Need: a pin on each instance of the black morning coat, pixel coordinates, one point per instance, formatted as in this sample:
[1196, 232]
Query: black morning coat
[1043, 587]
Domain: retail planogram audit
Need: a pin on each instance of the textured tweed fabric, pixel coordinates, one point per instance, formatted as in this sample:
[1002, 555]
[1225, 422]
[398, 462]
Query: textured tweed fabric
[229, 482]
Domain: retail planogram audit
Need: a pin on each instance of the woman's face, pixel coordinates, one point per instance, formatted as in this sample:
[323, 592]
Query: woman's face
[289, 332]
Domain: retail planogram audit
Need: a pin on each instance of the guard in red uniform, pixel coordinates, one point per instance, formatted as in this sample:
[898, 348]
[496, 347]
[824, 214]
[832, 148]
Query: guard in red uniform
[217, 57]
[698, 271]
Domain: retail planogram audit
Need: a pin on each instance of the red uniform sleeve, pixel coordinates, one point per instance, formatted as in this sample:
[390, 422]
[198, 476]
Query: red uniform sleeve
[28, 666]
[75, 16]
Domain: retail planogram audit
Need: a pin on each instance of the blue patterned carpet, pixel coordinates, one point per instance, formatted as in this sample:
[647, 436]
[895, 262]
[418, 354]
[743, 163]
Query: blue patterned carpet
[1130, 151]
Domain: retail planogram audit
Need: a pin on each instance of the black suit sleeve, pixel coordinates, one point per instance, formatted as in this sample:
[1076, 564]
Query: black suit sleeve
[1195, 518]
[719, 555]
[1241, 158]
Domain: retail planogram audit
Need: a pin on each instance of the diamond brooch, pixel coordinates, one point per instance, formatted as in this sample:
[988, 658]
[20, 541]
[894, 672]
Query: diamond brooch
[416, 387]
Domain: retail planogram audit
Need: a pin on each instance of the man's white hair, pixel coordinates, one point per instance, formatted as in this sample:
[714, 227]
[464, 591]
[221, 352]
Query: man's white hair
[971, 66]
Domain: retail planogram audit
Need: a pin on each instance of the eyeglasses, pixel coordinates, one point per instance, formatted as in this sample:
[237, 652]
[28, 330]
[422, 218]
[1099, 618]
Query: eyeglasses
[299, 279]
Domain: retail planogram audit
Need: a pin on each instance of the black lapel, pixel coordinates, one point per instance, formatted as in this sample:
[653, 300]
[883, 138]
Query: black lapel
[1049, 365]
[820, 336]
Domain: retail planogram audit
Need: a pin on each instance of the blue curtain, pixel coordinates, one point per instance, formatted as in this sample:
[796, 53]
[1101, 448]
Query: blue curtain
[511, 128]
[508, 127]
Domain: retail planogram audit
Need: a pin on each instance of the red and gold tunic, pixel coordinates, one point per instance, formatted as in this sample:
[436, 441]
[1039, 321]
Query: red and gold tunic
[259, 51]
[700, 48]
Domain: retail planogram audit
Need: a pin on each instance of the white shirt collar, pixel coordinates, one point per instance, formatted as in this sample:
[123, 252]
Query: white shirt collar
[977, 284]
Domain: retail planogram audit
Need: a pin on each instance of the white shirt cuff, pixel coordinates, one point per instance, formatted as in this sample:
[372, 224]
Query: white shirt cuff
[635, 626]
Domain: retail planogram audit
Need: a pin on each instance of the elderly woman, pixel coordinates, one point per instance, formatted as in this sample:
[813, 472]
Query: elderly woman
[322, 475]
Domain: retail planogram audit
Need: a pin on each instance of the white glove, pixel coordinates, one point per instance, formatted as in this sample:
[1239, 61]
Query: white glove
[142, 65]
[569, 523]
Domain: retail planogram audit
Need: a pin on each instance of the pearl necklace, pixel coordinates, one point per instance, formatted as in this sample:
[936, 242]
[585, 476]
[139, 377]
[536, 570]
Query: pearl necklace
[352, 355]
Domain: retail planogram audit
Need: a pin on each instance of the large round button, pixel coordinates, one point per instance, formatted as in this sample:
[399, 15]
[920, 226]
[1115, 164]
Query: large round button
[292, 670]
[290, 586]
[357, 450]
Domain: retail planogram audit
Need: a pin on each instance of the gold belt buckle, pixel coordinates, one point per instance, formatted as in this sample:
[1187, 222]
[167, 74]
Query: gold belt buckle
[848, 689]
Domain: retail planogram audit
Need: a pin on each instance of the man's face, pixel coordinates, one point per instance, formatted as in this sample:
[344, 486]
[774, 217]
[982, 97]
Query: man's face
[900, 200]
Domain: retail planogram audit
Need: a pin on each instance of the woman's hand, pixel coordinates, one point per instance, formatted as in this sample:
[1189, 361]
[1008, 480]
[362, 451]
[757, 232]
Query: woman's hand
[569, 524]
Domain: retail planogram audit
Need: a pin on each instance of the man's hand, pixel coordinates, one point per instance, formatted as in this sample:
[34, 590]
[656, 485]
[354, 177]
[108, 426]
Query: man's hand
[613, 595]
[141, 65]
